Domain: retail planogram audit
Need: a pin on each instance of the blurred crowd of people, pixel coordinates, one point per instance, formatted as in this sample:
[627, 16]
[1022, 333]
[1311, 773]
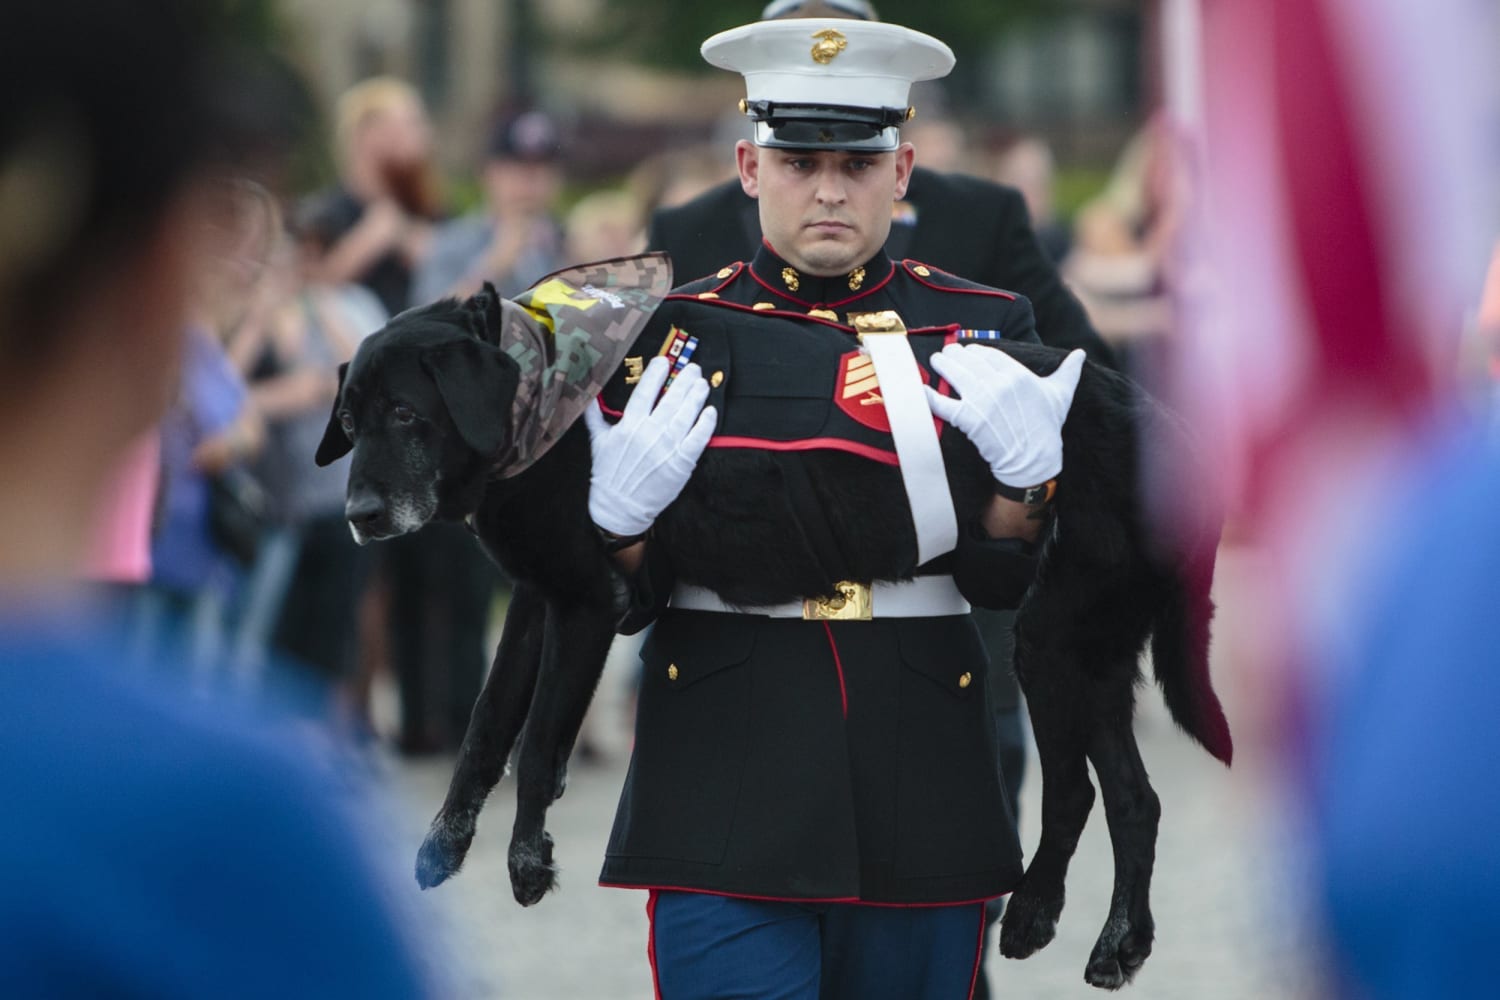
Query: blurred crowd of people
[223, 549]
[249, 554]
[222, 538]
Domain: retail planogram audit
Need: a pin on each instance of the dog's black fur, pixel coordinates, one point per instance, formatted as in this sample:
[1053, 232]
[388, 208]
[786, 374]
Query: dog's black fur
[425, 406]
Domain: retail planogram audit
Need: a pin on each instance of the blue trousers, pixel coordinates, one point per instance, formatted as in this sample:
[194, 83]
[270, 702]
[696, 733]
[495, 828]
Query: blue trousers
[708, 947]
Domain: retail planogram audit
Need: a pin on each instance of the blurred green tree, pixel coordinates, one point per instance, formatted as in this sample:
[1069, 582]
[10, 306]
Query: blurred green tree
[256, 21]
[667, 33]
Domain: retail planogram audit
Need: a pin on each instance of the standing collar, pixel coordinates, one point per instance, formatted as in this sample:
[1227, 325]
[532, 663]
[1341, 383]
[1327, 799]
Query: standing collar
[771, 271]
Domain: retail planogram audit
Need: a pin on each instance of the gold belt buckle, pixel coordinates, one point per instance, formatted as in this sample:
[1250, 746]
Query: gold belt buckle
[850, 602]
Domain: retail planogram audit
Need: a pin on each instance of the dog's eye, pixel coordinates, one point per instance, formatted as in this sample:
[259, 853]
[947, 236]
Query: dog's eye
[404, 414]
[346, 421]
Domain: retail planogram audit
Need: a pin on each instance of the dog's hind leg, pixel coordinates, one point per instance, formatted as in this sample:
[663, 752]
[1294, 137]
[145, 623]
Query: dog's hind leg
[577, 642]
[1053, 687]
[497, 718]
[1133, 812]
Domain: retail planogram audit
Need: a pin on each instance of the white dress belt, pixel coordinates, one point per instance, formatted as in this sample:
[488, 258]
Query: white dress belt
[923, 597]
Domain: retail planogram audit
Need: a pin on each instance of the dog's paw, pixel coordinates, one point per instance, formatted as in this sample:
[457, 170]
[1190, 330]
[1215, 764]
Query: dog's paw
[532, 871]
[443, 851]
[1119, 953]
[1030, 921]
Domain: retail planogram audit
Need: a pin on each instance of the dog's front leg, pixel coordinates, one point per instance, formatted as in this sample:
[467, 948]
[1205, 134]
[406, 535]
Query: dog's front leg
[493, 725]
[573, 654]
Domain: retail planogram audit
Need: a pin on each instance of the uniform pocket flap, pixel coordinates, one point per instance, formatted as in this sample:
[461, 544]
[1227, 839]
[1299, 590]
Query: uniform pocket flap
[954, 664]
[686, 646]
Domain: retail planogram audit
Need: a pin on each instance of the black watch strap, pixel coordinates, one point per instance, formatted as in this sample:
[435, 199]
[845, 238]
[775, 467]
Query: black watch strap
[614, 543]
[1031, 496]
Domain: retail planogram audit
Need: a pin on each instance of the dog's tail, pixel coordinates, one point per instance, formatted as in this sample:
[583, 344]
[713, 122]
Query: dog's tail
[1179, 654]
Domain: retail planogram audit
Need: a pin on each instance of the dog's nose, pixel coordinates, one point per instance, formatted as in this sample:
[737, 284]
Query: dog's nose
[364, 510]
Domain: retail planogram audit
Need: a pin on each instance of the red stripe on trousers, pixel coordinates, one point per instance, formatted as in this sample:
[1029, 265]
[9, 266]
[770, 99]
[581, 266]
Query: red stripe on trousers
[978, 954]
[651, 942]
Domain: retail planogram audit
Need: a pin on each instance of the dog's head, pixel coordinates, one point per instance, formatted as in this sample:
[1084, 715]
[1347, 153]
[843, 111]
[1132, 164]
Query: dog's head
[425, 406]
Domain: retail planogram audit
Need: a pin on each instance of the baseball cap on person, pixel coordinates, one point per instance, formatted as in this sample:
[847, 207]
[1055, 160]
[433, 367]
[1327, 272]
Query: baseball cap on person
[531, 135]
[828, 83]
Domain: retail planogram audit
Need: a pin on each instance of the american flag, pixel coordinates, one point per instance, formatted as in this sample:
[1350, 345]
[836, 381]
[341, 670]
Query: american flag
[1342, 155]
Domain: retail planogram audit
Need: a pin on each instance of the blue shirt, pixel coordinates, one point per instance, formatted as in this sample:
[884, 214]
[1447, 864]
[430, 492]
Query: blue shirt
[183, 553]
[1408, 805]
[156, 846]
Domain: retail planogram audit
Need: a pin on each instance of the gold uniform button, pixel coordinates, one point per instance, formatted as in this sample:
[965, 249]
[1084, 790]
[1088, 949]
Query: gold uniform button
[707, 295]
[716, 379]
[922, 271]
[725, 272]
[762, 306]
[827, 314]
[965, 679]
[672, 672]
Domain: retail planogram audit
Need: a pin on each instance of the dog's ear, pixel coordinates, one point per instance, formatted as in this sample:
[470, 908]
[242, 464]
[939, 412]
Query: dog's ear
[482, 311]
[335, 444]
[478, 383]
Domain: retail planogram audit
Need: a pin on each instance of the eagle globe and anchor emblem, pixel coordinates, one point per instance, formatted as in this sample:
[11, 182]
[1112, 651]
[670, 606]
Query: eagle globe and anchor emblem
[830, 43]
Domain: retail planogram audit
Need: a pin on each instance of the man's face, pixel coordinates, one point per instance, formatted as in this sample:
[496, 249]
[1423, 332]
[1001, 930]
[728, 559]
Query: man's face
[825, 211]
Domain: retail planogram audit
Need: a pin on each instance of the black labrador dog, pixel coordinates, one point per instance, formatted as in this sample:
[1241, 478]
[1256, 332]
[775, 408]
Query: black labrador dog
[425, 405]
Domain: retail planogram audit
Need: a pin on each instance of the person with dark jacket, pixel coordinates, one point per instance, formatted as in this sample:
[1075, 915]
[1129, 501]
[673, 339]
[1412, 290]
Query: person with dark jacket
[961, 224]
[813, 799]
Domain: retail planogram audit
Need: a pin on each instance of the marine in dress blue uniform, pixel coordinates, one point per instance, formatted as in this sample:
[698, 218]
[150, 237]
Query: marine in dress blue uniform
[813, 797]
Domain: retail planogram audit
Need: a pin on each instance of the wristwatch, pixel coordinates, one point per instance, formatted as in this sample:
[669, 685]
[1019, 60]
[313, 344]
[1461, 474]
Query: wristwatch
[1031, 496]
[614, 543]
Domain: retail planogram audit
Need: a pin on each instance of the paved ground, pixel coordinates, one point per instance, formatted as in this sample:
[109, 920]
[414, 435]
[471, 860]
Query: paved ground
[1227, 926]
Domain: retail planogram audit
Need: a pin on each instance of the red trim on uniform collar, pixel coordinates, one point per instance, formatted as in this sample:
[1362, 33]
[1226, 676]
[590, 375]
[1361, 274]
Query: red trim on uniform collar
[767, 265]
[734, 272]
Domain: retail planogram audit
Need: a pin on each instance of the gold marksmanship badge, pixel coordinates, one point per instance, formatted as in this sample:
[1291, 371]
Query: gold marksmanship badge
[830, 43]
[633, 369]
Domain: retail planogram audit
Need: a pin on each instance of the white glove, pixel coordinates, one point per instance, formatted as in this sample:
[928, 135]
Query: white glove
[1013, 416]
[643, 462]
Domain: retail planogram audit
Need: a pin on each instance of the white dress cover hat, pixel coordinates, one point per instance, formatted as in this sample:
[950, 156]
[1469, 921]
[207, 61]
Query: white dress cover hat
[828, 83]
